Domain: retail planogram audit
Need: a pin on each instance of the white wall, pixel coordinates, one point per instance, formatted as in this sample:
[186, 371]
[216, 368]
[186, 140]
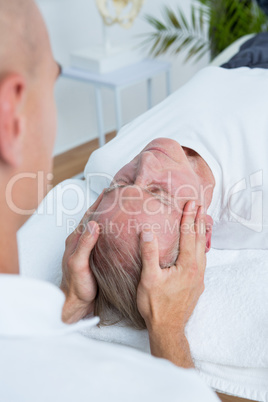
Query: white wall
[75, 24]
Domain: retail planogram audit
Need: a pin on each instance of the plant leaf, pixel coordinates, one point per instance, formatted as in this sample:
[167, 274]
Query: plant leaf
[193, 17]
[155, 23]
[214, 25]
[171, 18]
[184, 22]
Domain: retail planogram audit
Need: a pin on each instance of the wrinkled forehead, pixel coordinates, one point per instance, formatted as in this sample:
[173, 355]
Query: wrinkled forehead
[131, 200]
[124, 214]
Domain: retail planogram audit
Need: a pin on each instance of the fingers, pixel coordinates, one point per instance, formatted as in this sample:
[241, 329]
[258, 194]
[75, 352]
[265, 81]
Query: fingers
[92, 209]
[200, 228]
[187, 233]
[97, 202]
[73, 239]
[149, 254]
[81, 227]
[87, 242]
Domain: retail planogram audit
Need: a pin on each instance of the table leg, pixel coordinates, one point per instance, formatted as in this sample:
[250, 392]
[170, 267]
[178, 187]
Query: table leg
[150, 93]
[100, 116]
[168, 80]
[118, 109]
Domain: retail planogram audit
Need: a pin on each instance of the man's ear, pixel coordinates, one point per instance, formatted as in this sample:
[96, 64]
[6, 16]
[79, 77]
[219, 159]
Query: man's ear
[209, 225]
[12, 91]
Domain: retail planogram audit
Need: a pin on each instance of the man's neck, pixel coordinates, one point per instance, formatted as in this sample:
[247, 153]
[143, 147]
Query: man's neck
[204, 173]
[9, 262]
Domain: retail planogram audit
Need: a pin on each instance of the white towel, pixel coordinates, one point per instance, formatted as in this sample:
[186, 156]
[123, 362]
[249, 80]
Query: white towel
[230, 323]
[246, 383]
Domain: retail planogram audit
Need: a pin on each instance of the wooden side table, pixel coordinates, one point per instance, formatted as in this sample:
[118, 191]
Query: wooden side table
[118, 80]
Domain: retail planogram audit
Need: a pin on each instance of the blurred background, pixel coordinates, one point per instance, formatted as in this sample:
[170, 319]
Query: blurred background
[188, 34]
[76, 24]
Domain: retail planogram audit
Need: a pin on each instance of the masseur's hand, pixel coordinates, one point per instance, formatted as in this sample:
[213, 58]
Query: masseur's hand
[167, 297]
[78, 282]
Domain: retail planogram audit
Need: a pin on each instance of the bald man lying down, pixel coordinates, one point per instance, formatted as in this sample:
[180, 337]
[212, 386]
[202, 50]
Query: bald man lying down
[149, 193]
[215, 130]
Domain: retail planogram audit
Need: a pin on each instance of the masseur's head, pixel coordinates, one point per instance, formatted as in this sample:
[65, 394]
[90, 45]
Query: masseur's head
[149, 192]
[27, 109]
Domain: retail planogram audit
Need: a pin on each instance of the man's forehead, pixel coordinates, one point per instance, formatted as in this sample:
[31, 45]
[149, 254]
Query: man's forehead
[145, 209]
[131, 195]
[139, 195]
[126, 226]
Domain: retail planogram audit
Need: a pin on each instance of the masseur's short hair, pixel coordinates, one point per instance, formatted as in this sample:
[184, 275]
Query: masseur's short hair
[19, 44]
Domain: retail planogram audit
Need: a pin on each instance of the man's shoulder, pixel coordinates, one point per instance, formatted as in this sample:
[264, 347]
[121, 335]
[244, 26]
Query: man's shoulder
[75, 367]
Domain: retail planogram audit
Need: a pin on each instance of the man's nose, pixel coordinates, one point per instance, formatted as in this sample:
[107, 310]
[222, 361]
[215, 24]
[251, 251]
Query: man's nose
[147, 170]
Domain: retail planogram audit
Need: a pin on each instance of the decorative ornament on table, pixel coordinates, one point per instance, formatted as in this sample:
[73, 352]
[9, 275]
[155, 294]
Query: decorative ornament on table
[124, 11]
[106, 57]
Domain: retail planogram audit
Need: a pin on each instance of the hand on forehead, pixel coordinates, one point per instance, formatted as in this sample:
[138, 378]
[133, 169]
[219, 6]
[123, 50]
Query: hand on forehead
[124, 213]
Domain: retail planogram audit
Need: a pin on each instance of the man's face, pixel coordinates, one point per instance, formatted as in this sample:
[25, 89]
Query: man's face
[151, 192]
[40, 124]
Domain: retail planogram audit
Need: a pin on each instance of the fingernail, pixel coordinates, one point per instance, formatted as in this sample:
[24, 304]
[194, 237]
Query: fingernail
[203, 228]
[91, 227]
[193, 205]
[147, 236]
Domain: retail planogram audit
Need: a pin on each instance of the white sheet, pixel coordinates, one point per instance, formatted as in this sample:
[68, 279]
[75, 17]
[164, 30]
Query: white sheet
[41, 240]
[228, 332]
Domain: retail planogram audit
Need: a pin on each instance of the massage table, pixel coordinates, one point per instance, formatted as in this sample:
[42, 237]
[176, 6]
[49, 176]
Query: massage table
[228, 332]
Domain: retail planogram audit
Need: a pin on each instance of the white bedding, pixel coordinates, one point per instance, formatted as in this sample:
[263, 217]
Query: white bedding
[229, 325]
[228, 332]
[222, 115]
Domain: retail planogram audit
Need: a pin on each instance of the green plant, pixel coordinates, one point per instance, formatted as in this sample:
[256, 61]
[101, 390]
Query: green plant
[213, 25]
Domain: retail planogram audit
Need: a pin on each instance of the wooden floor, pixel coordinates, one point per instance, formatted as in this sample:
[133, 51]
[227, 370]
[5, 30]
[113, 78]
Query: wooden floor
[73, 162]
[229, 398]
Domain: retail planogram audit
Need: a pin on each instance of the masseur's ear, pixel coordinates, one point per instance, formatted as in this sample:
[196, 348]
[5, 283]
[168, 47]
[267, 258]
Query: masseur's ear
[209, 224]
[12, 90]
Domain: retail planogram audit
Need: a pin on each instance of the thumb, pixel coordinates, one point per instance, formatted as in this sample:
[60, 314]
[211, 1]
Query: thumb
[87, 241]
[149, 253]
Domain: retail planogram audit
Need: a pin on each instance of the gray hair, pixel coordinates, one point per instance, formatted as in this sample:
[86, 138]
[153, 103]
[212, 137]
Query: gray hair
[116, 264]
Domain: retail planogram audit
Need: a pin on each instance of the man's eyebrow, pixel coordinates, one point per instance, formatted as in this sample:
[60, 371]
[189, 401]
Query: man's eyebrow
[114, 187]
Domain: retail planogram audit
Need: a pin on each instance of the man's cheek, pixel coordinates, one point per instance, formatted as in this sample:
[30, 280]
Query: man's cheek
[185, 192]
[151, 207]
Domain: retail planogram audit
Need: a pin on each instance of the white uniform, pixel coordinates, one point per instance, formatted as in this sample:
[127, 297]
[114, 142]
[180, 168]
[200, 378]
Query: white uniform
[42, 359]
[222, 115]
